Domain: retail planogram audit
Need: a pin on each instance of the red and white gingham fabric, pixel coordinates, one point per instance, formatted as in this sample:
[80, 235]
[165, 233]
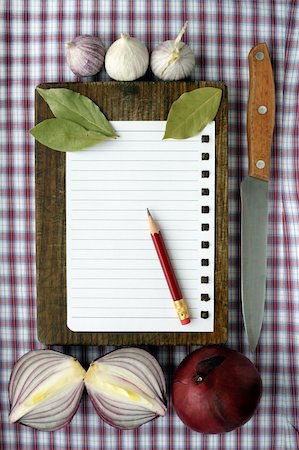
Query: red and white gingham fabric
[221, 33]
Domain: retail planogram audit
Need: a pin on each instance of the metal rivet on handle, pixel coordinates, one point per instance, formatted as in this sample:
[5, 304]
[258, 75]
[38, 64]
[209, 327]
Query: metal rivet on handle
[260, 164]
[259, 56]
[262, 109]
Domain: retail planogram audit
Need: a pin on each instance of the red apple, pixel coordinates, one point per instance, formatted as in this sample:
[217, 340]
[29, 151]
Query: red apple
[216, 389]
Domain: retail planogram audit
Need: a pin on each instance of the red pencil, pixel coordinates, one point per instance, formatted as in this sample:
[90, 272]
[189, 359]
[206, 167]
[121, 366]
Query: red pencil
[179, 302]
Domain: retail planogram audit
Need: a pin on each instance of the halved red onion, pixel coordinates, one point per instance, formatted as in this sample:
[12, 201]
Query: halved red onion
[45, 389]
[127, 387]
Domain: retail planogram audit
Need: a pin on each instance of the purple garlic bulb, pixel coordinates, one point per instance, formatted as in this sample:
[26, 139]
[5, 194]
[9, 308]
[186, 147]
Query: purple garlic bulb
[85, 55]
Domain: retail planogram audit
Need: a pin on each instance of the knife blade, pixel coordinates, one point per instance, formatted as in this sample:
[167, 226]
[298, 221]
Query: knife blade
[254, 191]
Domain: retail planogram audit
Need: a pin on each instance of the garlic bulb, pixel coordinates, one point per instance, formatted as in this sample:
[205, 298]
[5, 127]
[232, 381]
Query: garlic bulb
[127, 59]
[127, 387]
[45, 389]
[173, 60]
[85, 55]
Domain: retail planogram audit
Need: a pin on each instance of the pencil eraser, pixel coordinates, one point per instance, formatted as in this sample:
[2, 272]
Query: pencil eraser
[185, 321]
[182, 311]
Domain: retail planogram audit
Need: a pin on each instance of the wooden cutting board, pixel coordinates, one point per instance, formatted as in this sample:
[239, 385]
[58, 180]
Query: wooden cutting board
[118, 101]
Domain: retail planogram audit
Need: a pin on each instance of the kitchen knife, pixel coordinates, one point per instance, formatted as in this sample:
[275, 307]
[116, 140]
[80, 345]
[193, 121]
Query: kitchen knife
[254, 191]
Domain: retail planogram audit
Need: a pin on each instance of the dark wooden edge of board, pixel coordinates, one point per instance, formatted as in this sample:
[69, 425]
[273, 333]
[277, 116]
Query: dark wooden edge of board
[119, 101]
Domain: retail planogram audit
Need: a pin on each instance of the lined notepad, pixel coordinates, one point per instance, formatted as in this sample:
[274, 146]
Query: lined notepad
[114, 278]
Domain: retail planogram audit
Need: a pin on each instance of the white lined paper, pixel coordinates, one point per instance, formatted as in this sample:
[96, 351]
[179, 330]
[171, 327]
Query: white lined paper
[114, 279]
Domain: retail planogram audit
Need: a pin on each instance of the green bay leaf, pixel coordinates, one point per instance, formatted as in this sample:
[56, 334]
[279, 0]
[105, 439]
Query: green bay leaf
[192, 112]
[70, 105]
[65, 136]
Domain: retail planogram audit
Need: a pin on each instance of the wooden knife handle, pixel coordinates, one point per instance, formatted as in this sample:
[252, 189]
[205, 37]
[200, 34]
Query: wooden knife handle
[260, 112]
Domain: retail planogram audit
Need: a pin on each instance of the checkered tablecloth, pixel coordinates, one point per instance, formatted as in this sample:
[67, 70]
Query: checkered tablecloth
[221, 33]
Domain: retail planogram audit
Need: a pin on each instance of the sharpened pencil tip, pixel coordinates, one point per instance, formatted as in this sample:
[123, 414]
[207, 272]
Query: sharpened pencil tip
[148, 213]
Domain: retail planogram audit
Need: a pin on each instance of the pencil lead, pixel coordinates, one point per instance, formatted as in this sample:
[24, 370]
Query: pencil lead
[148, 213]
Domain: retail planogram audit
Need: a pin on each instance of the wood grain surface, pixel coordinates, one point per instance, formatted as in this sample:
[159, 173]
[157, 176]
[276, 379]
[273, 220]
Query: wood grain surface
[260, 126]
[119, 101]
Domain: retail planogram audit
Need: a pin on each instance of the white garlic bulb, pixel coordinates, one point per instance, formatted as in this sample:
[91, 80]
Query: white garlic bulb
[126, 59]
[173, 60]
[85, 55]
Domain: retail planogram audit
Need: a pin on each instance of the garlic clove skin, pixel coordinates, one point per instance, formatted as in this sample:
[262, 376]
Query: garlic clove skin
[127, 59]
[170, 64]
[127, 388]
[85, 55]
[45, 389]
